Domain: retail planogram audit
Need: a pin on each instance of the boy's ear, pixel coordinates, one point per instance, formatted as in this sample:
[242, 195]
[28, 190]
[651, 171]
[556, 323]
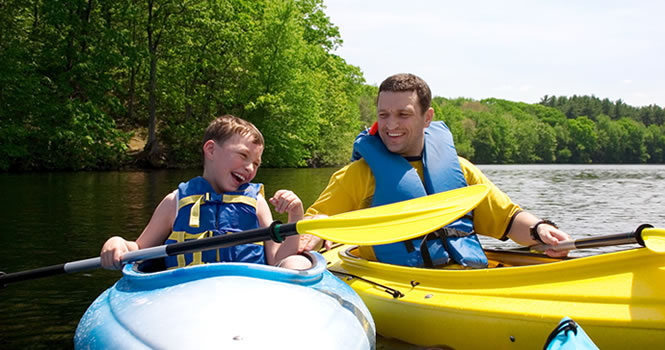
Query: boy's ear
[208, 148]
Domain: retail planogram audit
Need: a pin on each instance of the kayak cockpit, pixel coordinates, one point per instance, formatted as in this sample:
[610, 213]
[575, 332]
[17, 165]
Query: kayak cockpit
[496, 258]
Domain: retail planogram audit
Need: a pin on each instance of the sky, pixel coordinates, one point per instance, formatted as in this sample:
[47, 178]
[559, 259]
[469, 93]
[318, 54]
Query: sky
[509, 49]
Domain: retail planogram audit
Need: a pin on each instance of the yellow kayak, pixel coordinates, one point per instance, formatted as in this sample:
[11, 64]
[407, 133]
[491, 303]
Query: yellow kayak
[618, 298]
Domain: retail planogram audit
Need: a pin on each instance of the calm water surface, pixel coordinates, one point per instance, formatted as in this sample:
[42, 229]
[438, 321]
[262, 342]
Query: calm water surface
[53, 218]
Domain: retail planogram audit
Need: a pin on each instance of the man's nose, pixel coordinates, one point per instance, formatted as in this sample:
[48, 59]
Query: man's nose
[392, 121]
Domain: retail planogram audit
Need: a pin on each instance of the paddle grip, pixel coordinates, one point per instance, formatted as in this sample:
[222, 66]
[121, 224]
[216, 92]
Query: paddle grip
[638, 233]
[279, 231]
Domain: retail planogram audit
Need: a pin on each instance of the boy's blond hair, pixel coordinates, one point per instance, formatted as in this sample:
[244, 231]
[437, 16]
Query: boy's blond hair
[224, 127]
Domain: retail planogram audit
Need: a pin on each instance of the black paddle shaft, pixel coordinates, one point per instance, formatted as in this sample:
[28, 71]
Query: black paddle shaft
[595, 242]
[6, 279]
[276, 231]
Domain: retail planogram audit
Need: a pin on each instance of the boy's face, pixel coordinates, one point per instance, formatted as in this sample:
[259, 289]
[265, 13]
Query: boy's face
[234, 163]
[401, 122]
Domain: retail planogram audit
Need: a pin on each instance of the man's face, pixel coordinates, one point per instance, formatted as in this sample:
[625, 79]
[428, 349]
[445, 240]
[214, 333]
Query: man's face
[401, 122]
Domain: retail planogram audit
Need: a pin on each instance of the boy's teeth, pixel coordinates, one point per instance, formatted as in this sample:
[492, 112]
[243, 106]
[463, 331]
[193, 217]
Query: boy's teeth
[394, 134]
[239, 176]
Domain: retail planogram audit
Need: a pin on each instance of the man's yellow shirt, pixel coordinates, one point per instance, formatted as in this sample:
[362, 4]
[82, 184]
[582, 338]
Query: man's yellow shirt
[352, 188]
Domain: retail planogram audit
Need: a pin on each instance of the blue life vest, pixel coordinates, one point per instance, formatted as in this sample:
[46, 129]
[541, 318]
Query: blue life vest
[204, 213]
[396, 180]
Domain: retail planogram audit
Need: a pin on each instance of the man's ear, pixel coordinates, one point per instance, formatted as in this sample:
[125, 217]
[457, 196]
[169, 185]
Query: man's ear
[428, 116]
[209, 149]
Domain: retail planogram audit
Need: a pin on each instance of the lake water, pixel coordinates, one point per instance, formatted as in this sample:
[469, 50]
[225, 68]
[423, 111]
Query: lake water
[52, 218]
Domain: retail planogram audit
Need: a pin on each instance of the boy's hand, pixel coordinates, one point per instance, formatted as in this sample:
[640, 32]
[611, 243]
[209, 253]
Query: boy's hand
[287, 201]
[112, 252]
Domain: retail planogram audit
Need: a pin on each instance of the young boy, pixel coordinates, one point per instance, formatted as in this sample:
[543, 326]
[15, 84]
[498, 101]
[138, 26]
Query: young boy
[222, 200]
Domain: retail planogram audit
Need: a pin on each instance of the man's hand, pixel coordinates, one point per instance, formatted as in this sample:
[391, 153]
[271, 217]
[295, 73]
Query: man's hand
[552, 236]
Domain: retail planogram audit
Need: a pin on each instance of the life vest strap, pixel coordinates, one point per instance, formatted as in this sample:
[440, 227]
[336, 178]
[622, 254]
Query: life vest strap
[181, 236]
[440, 234]
[195, 212]
[424, 249]
[228, 198]
[197, 200]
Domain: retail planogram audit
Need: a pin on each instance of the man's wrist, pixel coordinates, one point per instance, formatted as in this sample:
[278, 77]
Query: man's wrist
[533, 230]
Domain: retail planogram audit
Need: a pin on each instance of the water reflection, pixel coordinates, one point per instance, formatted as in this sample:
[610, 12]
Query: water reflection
[587, 199]
[58, 217]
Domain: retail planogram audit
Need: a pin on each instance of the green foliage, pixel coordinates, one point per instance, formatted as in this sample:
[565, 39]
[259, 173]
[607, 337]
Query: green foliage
[367, 104]
[500, 131]
[584, 139]
[654, 141]
[78, 76]
[593, 107]
[80, 71]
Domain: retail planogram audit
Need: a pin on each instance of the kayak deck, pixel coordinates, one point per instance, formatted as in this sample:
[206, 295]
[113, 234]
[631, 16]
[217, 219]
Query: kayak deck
[617, 297]
[227, 305]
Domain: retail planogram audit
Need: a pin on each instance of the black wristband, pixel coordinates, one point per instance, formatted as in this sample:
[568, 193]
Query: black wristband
[534, 230]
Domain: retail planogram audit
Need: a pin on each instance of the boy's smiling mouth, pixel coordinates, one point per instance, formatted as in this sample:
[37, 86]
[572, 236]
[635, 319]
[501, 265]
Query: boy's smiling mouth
[238, 177]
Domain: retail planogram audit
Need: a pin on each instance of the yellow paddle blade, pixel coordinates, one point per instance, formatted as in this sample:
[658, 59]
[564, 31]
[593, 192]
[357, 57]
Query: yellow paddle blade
[397, 221]
[654, 239]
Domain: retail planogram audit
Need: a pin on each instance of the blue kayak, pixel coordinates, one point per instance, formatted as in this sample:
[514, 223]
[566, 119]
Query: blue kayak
[227, 306]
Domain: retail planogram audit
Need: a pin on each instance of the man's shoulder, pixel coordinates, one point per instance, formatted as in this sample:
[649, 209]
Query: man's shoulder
[359, 165]
[472, 173]
[355, 168]
[466, 164]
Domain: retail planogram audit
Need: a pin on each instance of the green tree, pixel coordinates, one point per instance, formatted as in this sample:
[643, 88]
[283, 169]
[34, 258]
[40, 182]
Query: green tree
[655, 143]
[583, 139]
[635, 151]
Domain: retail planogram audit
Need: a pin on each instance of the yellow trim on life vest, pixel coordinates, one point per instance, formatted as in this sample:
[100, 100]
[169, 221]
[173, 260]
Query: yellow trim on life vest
[195, 213]
[239, 199]
[181, 236]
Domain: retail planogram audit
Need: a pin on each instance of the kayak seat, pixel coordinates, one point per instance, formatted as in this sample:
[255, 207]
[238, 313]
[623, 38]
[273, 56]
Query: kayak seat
[149, 266]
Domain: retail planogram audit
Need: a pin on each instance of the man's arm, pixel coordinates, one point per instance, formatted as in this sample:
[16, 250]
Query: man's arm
[497, 213]
[520, 232]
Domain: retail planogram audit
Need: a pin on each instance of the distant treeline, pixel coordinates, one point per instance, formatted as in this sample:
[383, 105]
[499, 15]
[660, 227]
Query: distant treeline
[78, 77]
[579, 129]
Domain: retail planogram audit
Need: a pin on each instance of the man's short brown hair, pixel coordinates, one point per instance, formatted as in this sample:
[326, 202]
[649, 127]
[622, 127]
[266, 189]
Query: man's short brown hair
[224, 127]
[408, 82]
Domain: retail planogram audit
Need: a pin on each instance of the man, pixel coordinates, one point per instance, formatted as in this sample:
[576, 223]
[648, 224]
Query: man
[406, 155]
